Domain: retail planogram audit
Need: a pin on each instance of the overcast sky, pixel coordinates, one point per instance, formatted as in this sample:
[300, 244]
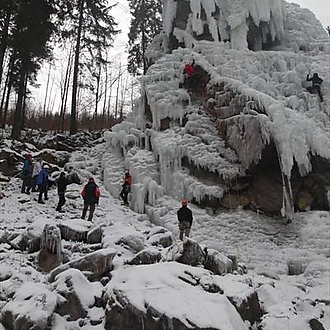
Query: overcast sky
[321, 9]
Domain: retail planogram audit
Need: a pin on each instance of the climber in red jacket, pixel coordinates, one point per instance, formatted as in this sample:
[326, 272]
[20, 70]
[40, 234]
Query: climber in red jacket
[189, 73]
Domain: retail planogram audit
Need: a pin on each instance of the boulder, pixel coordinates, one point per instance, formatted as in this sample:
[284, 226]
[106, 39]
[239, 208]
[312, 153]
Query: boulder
[217, 262]
[145, 257]
[94, 236]
[169, 300]
[316, 324]
[75, 230]
[32, 307]
[160, 236]
[76, 294]
[134, 243]
[94, 265]
[243, 297]
[192, 253]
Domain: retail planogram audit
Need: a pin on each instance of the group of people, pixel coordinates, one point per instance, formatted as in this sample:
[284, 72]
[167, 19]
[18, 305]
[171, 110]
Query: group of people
[37, 176]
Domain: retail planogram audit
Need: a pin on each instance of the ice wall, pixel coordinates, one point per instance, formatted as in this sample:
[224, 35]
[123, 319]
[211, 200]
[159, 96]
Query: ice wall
[235, 16]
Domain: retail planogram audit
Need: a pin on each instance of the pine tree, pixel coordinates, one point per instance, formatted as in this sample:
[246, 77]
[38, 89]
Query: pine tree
[92, 28]
[32, 29]
[328, 29]
[146, 23]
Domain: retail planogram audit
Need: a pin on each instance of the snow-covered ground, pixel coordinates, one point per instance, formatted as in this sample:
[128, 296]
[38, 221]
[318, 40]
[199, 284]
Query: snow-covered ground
[265, 245]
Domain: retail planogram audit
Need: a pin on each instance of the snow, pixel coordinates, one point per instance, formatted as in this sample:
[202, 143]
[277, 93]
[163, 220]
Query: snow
[272, 80]
[151, 283]
[264, 244]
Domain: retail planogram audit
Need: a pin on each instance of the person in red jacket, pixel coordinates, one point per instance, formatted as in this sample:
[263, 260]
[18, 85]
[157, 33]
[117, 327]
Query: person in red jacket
[189, 73]
[91, 194]
[126, 187]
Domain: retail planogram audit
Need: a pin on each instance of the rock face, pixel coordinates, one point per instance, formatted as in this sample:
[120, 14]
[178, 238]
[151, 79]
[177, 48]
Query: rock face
[237, 123]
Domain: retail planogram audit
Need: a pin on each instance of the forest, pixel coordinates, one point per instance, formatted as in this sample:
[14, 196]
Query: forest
[95, 92]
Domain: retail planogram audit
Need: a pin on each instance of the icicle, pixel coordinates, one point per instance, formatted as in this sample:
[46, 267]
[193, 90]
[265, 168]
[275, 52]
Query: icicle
[287, 209]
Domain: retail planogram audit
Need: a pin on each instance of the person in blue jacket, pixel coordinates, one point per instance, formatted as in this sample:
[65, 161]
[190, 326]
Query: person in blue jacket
[42, 182]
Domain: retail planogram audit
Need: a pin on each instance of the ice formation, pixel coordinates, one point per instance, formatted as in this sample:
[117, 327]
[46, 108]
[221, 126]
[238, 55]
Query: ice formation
[168, 129]
[228, 20]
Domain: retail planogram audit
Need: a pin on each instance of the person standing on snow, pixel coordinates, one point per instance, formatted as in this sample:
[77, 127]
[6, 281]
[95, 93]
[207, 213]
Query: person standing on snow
[42, 182]
[26, 174]
[126, 187]
[316, 85]
[91, 195]
[61, 188]
[185, 218]
[36, 170]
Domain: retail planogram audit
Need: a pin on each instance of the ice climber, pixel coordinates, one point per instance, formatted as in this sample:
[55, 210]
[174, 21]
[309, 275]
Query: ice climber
[26, 174]
[316, 85]
[61, 188]
[91, 195]
[185, 218]
[126, 187]
[42, 182]
[189, 73]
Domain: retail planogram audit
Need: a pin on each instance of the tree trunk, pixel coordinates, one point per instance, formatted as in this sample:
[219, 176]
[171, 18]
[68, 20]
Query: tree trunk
[97, 95]
[5, 88]
[144, 41]
[73, 117]
[65, 91]
[24, 100]
[8, 88]
[3, 42]
[46, 93]
[18, 117]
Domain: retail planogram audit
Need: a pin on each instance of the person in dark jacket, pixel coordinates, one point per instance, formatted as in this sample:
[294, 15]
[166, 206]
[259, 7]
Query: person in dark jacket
[91, 195]
[27, 174]
[185, 218]
[316, 85]
[42, 182]
[61, 188]
[126, 187]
